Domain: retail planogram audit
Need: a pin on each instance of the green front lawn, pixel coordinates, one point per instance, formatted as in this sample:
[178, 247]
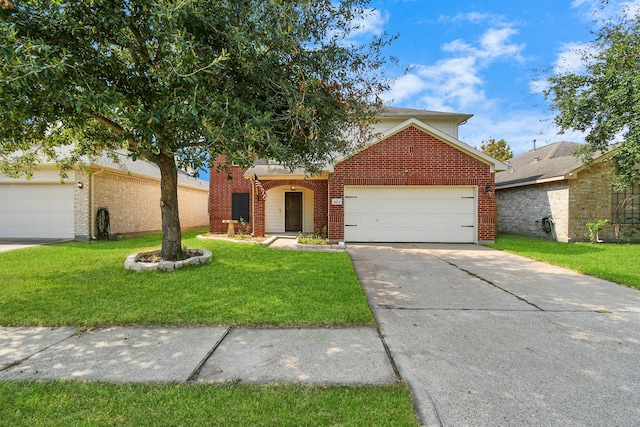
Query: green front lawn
[618, 263]
[85, 284]
[63, 403]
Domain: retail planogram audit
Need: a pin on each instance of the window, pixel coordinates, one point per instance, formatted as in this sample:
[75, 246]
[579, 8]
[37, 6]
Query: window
[240, 207]
[625, 206]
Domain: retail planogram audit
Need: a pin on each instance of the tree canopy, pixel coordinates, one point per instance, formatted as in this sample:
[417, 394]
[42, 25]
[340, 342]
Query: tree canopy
[179, 83]
[499, 150]
[602, 98]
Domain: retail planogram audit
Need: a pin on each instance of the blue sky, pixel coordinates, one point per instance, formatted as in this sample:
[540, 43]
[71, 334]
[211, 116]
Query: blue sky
[487, 58]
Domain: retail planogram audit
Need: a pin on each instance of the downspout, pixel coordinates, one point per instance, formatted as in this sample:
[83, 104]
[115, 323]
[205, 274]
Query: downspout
[92, 203]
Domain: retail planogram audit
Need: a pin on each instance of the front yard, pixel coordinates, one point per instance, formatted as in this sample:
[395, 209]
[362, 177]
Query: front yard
[85, 284]
[614, 262]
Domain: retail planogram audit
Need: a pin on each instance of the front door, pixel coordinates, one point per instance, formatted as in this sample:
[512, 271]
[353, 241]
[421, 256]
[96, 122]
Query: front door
[292, 211]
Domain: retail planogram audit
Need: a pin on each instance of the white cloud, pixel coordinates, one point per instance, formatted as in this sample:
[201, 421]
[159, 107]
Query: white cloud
[595, 10]
[405, 86]
[473, 17]
[518, 129]
[571, 58]
[457, 83]
[495, 44]
[371, 23]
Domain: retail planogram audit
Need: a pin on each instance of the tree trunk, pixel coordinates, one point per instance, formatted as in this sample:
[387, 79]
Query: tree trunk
[171, 232]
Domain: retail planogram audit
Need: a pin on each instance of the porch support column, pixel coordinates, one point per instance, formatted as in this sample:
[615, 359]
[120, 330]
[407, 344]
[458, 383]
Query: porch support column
[258, 214]
[320, 206]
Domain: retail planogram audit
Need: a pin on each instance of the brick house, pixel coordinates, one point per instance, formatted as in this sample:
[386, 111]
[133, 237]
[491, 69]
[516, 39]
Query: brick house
[549, 193]
[415, 183]
[44, 207]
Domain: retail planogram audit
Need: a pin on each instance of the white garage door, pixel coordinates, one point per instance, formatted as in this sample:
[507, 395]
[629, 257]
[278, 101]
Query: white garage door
[36, 211]
[409, 214]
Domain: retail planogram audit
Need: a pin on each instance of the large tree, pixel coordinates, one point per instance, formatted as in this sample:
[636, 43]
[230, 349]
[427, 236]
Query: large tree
[179, 82]
[499, 150]
[603, 99]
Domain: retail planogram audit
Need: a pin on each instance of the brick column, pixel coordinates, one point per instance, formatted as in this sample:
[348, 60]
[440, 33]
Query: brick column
[258, 214]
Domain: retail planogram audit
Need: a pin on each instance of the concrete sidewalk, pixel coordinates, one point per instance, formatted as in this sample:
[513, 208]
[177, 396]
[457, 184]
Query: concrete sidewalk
[196, 354]
[10, 244]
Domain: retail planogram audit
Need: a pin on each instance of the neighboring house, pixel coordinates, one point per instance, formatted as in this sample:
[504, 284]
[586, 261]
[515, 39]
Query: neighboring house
[415, 183]
[548, 192]
[43, 207]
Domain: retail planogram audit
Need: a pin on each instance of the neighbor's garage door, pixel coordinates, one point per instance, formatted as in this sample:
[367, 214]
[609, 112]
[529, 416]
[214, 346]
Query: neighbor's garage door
[409, 214]
[36, 211]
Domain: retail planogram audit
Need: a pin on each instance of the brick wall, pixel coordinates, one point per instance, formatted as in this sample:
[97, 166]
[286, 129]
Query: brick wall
[220, 190]
[572, 203]
[134, 203]
[412, 157]
[521, 209]
[81, 214]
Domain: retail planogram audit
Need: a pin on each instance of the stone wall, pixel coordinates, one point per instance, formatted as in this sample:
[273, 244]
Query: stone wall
[590, 200]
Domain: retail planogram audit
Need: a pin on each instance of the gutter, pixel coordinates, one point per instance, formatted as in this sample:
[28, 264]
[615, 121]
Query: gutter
[534, 182]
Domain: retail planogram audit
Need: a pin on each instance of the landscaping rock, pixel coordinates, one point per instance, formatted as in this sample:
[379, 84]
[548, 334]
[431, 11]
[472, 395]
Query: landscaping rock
[204, 256]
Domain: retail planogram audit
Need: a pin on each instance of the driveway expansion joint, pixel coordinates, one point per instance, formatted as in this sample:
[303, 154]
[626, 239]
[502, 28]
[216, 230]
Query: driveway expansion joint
[196, 372]
[470, 273]
[396, 371]
[18, 362]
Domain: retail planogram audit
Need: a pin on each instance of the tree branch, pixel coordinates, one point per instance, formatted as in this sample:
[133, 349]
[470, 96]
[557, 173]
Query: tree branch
[114, 127]
[143, 47]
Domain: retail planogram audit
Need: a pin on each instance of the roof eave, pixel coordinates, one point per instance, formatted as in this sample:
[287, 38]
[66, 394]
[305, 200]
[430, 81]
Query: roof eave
[531, 182]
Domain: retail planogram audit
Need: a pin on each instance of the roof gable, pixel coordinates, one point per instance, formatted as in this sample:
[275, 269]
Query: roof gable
[494, 164]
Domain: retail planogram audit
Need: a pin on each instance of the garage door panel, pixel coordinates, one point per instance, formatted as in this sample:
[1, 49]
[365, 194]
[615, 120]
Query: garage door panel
[410, 214]
[37, 211]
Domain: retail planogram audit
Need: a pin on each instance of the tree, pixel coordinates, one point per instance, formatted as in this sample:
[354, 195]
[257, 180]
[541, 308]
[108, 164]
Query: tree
[602, 100]
[180, 82]
[499, 150]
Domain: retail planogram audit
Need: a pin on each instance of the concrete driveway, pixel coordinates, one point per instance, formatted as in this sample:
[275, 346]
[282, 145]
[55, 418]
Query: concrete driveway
[485, 338]
[10, 244]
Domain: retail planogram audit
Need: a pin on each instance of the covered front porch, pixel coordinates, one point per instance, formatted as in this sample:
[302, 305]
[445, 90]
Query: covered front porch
[294, 203]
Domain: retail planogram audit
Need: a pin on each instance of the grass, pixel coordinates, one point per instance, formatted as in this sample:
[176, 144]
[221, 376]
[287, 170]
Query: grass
[63, 403]
[614, 262]
[84, 284]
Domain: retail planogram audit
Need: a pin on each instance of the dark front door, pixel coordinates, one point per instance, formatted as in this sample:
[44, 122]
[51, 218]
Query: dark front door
[292, 211]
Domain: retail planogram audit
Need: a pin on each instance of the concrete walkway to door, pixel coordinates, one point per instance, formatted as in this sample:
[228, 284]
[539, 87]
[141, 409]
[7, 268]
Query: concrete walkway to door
[485, 338]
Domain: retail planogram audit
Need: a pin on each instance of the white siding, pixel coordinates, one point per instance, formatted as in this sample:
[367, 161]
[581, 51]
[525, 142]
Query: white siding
[447, 126]
[274, 210]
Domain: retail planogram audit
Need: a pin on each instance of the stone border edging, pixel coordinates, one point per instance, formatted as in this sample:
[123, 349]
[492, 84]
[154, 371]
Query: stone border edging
[131, 264]
[321, 248]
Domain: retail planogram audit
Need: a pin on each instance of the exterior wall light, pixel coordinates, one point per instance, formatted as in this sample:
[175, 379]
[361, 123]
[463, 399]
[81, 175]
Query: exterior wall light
[80, 184]
[488, 191]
